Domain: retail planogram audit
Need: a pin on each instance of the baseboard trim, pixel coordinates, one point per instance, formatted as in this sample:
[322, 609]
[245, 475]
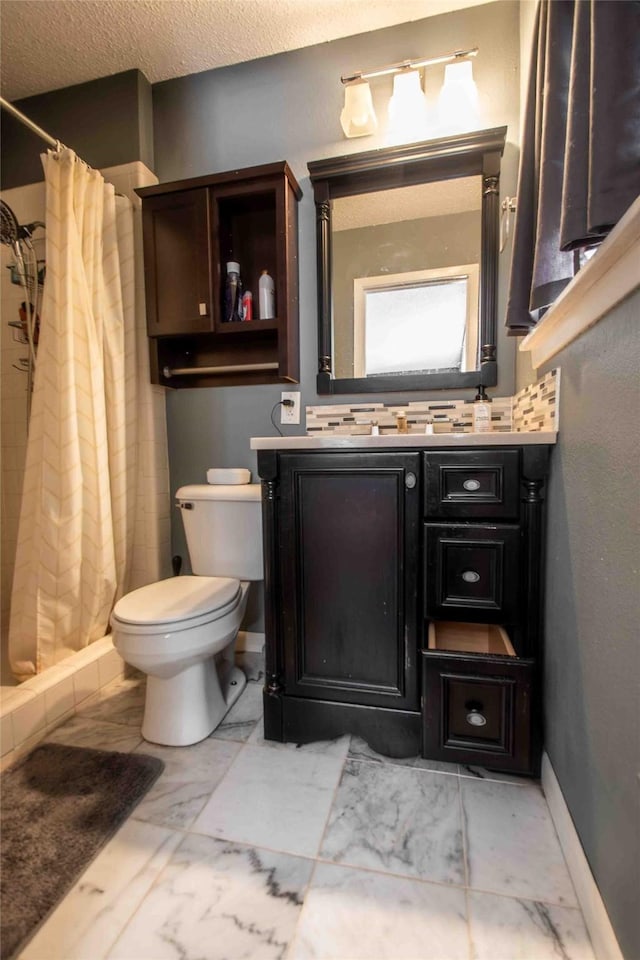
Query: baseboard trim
[603, 938]
[248, 642]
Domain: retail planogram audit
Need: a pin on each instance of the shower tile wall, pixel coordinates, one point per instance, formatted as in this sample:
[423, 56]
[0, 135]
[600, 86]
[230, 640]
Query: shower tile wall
[28, 204]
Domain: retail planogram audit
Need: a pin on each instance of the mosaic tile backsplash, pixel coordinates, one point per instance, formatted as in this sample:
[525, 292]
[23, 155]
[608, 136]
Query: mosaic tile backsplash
[536, 407]
[532, 409]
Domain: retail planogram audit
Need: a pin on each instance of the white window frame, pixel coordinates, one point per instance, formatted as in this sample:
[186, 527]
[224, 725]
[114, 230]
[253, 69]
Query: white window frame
[363, 285]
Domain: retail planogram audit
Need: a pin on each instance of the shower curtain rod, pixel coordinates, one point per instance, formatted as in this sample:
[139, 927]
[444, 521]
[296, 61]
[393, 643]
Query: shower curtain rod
[9, 107]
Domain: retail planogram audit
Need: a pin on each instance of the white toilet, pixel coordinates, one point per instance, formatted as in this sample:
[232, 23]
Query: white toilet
[181, 632]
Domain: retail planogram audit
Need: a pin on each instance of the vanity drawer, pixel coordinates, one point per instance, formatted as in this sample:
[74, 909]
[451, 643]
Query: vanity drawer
[477, 710]
[472, 484]
[472, 571]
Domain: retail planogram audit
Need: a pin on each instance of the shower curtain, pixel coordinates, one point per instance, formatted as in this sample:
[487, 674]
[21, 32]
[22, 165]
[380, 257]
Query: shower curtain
[75, 537]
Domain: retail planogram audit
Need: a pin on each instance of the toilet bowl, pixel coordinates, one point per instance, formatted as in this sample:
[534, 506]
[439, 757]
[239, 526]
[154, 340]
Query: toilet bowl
[181, 632]
[172, 631]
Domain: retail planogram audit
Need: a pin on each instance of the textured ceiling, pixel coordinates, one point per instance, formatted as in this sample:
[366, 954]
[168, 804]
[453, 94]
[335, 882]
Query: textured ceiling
[48, 44]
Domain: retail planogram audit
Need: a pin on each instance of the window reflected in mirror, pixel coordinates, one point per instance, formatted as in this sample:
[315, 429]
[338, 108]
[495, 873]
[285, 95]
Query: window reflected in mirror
[405, 269]
[416, 322]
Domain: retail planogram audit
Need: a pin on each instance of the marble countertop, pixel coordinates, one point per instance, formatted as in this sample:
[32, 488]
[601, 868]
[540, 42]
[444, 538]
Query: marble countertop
[336, 441]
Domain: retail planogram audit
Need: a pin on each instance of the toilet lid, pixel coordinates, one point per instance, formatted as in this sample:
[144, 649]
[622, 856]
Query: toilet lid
[178, 598]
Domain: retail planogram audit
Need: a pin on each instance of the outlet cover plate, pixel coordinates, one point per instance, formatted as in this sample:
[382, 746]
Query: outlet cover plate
[290, 414]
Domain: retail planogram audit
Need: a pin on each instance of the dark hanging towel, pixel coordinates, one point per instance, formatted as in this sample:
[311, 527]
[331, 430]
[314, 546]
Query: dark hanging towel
[580, 156]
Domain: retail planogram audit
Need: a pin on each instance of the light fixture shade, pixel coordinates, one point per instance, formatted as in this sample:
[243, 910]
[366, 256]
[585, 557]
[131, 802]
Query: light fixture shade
[358, 118]
[407, 107]
[458, 101]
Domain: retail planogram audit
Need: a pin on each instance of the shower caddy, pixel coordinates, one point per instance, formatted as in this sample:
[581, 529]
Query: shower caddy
[28, 272]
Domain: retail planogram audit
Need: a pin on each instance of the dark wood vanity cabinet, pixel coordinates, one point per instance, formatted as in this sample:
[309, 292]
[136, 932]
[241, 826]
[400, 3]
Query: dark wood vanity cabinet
[403, 600]
[191, 228]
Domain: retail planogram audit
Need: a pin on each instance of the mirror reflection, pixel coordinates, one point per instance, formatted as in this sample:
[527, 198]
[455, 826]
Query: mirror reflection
[405, 266]
[407, 254]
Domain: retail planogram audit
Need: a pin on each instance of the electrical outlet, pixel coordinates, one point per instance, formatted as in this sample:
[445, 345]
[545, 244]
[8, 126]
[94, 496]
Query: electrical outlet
[290, 414]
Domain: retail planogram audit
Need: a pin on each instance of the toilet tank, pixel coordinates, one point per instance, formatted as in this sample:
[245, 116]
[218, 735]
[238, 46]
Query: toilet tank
[223, 526]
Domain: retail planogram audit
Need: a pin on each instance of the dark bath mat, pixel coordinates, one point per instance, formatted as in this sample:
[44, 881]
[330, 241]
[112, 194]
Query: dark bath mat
[59, 806]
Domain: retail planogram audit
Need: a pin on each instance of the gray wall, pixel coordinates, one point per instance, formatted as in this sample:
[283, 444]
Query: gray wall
[287, 107]
[107, 122]
[592, 681]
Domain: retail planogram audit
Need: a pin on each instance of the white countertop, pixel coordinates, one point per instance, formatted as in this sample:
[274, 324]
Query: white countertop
[339, 441]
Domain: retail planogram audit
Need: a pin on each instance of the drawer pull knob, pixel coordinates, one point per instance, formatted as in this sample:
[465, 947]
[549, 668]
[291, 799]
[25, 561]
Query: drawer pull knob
[476, 719]
[471, 484]
[470, 576]
[410, 480]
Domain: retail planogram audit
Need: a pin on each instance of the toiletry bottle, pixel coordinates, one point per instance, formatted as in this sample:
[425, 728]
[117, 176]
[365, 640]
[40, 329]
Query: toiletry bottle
[233, 293]
[401, 422]
[266, 296]
[481, 412]
[247, 306]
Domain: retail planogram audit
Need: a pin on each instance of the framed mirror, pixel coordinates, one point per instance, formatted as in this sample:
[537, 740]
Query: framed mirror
[407, 256]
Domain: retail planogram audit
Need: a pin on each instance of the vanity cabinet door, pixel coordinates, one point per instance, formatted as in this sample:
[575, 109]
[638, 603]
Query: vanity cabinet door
[349, 529]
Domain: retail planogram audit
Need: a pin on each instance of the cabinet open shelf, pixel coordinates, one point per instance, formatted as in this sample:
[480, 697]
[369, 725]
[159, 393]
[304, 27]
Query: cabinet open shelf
[480, 638]
[246, 328]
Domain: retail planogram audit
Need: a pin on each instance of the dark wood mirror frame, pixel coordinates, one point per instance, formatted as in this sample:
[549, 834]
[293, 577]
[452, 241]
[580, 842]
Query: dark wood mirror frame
[448, 158]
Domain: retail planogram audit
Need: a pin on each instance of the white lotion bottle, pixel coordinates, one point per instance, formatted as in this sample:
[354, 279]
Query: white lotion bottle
[266, 296]
[481, 412]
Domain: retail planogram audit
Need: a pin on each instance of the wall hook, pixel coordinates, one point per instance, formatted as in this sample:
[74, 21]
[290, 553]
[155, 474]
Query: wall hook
[507, 207]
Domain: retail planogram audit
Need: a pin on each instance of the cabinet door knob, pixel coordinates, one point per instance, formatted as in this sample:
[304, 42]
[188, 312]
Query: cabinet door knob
[470, 576]
[471, 484]
[410, 480]
[202, 307]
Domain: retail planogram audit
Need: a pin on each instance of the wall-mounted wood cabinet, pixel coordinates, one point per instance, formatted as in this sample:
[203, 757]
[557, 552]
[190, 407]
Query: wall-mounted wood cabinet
[191, 229]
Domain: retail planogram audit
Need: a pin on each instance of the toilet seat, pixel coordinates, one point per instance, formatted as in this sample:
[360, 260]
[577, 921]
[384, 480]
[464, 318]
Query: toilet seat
[178, 603]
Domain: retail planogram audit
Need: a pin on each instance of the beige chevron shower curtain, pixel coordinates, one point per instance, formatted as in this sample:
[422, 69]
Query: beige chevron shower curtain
[77, 516]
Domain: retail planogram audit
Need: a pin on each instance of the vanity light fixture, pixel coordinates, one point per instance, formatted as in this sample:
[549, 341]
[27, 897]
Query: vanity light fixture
[407, 107]
[458, 99]
[358, 117]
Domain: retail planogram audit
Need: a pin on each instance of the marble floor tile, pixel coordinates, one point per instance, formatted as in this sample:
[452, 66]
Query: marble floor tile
[91, 917]
[512, 847]
[360, 915]
[397, 820]
[507, 929]
[218, 900]
[360, 750]
[481, 773]
[278, 799]
[243, 716]
[120, 702]
[171, 803]
[82, 732]
[190, 776]
[206, 761]
[332, 748]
